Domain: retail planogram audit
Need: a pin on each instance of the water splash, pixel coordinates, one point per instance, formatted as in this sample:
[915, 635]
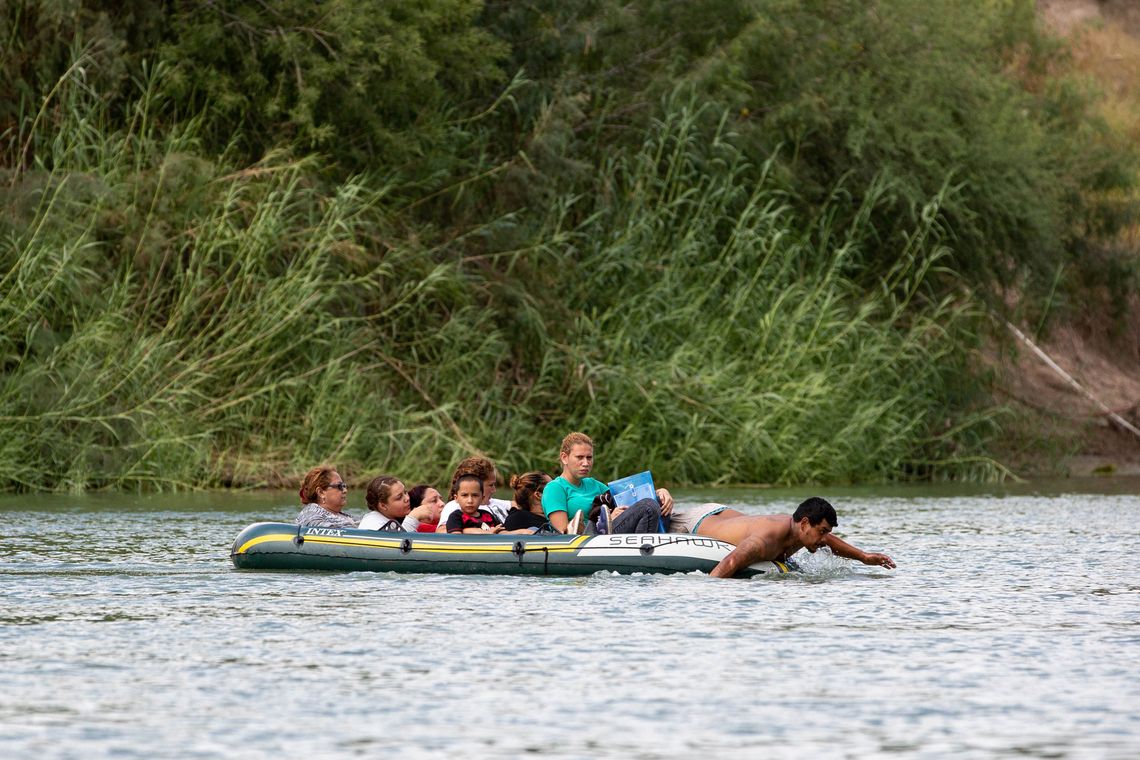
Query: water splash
[820, 566]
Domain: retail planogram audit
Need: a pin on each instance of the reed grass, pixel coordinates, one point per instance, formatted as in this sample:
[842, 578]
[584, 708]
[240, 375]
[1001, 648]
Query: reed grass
[165, 313]
[719, 340]
[169, 321]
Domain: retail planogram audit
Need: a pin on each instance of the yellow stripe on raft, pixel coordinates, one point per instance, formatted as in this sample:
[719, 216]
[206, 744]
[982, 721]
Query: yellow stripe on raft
[262, 539]
[423, 545]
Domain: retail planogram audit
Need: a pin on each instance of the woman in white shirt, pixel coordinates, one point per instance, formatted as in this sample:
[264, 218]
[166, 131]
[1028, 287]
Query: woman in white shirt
[388, 505]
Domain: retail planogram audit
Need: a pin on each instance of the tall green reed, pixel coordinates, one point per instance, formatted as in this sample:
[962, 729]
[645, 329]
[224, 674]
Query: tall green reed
[719, 340]
[170, 321]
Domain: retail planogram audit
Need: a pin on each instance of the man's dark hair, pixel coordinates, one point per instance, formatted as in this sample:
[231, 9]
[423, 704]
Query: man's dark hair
[816, 509]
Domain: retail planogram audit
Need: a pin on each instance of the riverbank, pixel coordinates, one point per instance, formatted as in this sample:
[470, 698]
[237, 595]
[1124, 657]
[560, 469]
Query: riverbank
[1054, 427]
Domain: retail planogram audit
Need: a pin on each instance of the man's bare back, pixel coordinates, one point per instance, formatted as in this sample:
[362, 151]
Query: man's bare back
[776, 537]
[734, 527]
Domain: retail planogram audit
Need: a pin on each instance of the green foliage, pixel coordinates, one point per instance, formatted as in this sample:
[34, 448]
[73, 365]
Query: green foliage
[925, 95]
[167, 322]
[43, 42]
[944, 98]
[374, 84]
[157, 337]
[718, 338]
[730, 240]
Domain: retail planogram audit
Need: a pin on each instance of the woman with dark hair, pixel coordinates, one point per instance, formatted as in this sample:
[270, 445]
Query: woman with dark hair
[324, 494]
[526, 511]
[388, 505]
[426, 505]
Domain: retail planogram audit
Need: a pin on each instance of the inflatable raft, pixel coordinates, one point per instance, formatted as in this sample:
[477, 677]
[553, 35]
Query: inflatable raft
[281, 546]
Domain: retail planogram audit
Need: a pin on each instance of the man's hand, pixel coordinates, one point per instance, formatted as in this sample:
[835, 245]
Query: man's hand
[879, 559]
[666, 500]
[841, 548]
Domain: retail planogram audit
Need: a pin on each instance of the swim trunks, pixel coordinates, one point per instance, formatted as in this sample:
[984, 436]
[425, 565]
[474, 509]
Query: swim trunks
[689, 520]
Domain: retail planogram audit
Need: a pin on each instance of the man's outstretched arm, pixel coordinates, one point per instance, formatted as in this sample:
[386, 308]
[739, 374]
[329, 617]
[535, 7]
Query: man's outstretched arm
[751, 549]
[841, 548]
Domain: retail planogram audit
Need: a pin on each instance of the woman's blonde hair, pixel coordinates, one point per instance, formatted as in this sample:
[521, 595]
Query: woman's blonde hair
[574, 439]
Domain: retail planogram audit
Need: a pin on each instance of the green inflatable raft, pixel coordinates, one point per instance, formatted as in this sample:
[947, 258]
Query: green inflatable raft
[282, 546]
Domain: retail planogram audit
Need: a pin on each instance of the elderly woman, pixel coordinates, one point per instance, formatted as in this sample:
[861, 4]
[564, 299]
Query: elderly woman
[324, 493]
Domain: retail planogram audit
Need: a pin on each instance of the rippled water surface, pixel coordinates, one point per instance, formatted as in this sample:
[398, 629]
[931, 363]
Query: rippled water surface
[1011, 627]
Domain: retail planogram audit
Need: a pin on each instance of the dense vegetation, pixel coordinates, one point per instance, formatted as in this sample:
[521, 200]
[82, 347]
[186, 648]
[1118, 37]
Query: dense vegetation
[733, 241]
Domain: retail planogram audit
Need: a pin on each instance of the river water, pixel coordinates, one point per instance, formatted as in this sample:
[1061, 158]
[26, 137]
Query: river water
[1011, 627]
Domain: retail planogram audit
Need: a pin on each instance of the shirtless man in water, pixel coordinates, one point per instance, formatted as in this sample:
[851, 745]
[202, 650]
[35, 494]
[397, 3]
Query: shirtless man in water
[770, 537]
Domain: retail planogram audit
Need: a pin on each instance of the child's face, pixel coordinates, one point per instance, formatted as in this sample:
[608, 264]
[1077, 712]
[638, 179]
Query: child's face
[469, 495]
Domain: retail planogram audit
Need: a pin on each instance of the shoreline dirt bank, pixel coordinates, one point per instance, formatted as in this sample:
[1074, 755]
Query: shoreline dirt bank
[1056, 429]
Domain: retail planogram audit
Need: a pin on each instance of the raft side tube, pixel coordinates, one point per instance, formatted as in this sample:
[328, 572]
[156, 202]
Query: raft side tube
[282, 546]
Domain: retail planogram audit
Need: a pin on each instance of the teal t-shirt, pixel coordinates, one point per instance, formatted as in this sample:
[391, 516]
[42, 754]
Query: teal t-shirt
[560, 496]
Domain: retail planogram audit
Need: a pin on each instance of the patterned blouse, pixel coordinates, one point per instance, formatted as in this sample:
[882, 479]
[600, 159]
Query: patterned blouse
[316, 516]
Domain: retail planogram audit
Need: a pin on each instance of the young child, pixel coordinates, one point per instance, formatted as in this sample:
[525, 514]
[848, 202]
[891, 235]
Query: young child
[484, 469]
[469, 518]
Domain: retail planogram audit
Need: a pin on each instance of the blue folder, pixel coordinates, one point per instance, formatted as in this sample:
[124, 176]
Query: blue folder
[630, 490]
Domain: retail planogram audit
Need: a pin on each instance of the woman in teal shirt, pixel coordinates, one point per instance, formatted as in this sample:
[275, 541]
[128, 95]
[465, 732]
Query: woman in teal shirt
[573, 493]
